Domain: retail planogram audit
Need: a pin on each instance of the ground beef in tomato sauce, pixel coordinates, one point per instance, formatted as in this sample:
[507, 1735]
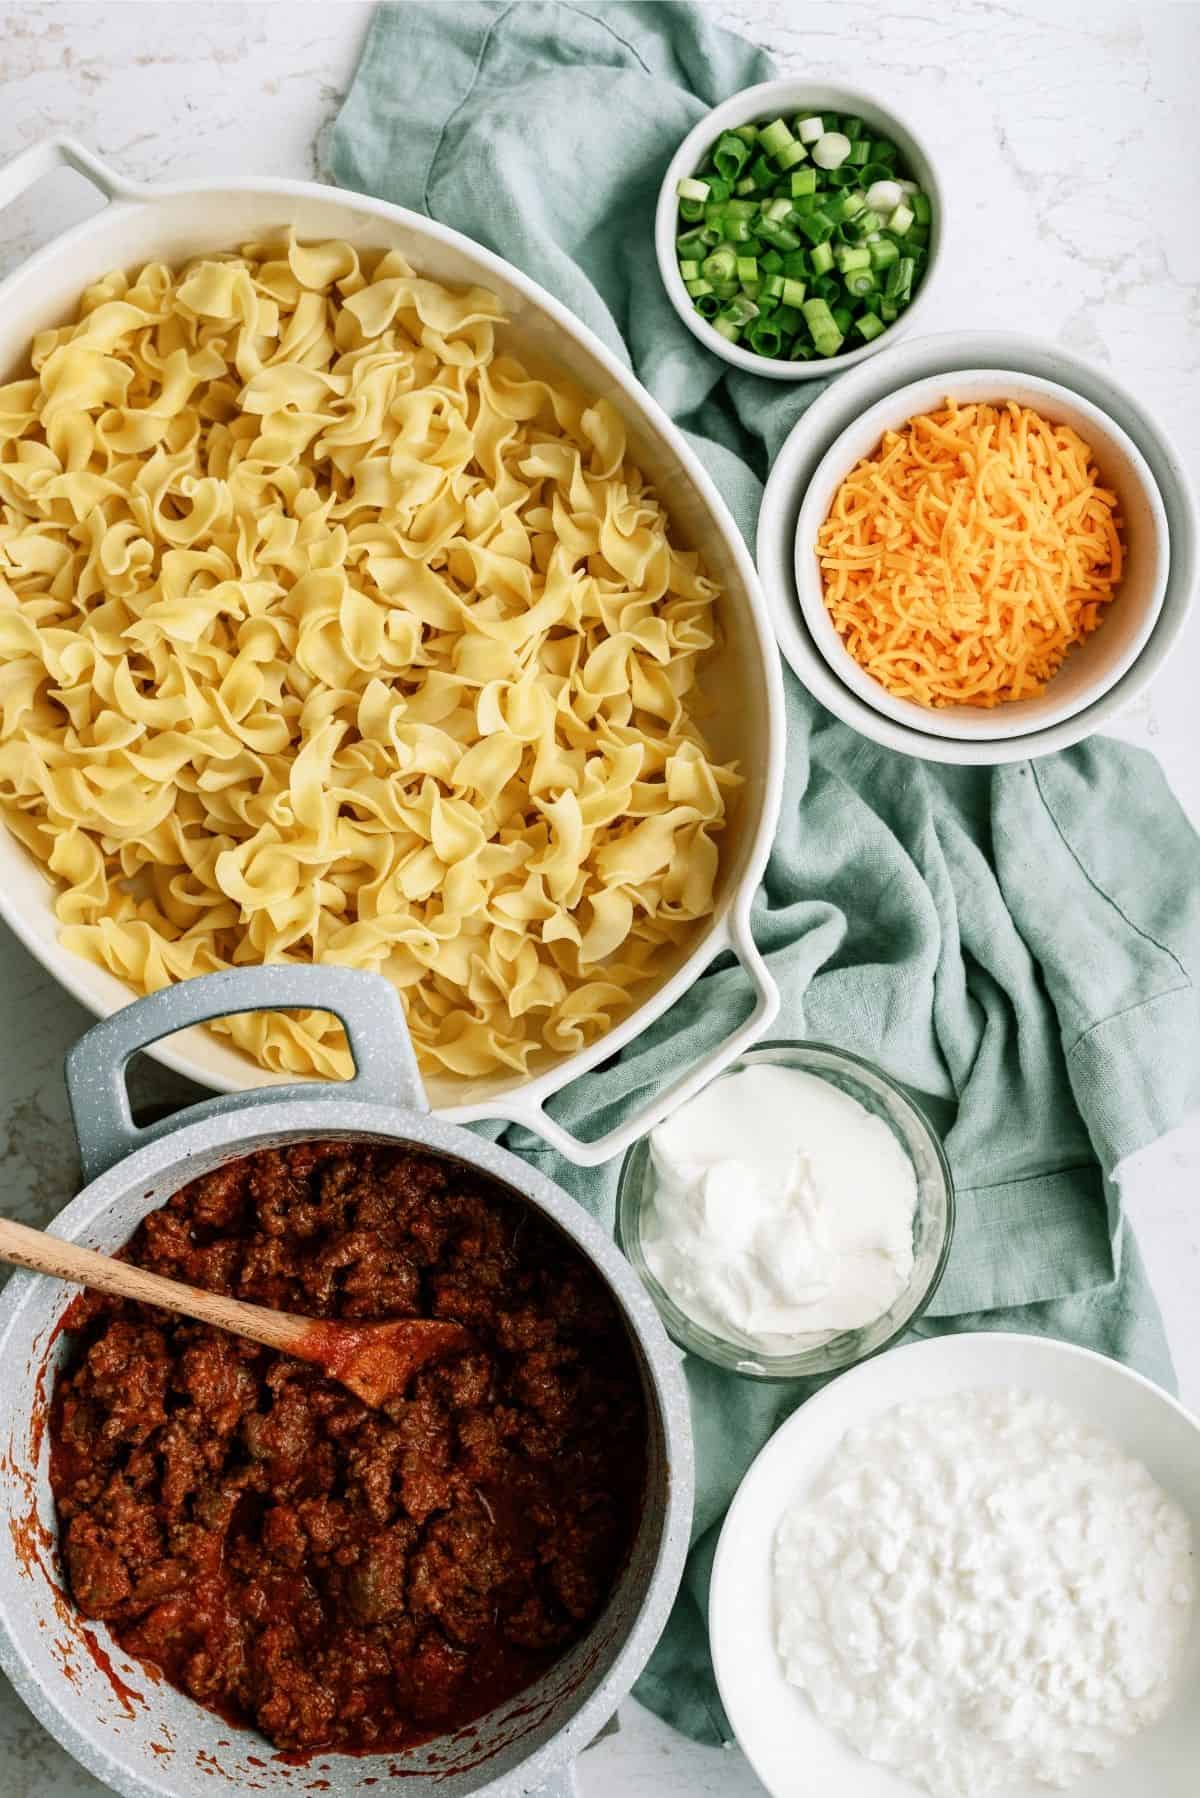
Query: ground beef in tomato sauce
[346, 1578]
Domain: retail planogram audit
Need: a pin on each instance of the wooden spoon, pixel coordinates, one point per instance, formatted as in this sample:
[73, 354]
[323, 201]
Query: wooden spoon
[375, 1361]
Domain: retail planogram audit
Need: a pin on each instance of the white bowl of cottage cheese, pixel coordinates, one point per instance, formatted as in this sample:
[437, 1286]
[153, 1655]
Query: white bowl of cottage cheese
[968, 1568]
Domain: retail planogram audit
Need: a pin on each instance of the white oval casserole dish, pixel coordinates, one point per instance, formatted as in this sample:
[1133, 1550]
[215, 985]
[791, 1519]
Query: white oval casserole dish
[172, 223]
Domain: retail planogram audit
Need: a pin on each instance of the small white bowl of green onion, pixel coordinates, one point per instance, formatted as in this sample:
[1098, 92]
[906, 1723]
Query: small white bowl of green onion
[798, 229]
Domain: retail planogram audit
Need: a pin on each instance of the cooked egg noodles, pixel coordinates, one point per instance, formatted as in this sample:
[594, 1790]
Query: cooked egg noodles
[328, 633]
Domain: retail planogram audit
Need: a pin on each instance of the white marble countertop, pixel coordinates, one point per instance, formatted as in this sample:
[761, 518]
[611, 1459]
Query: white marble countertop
[1060, 124]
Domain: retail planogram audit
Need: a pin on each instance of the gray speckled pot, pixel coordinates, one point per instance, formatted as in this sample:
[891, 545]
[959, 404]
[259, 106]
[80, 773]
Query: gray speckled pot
[147, 1740]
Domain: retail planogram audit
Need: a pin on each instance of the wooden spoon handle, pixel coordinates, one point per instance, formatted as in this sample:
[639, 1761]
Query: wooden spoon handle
[84, 1267]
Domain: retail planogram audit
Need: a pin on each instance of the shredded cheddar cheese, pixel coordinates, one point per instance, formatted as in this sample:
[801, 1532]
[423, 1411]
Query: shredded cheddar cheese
[969, 553]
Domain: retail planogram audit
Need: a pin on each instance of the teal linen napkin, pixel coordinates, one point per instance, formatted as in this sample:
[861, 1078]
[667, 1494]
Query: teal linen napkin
[1018, 944]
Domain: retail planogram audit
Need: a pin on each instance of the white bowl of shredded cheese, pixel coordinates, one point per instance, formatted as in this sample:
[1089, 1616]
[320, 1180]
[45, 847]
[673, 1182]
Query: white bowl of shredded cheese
[969, 1568]
[1019, 536]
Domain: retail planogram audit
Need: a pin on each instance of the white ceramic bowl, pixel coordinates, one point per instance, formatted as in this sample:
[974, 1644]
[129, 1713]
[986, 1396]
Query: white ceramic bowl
[771, 99]
[788, 1746]
[951, 352]
[1095, 665]
[172, 223]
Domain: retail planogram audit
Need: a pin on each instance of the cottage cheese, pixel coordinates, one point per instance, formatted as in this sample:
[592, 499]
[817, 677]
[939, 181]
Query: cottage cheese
[981, 1591]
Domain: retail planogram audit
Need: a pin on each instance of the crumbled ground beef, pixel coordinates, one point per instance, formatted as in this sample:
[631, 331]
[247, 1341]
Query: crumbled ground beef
[347, 1578]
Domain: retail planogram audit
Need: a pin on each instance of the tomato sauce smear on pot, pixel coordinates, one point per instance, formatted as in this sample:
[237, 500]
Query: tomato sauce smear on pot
[344, 1578]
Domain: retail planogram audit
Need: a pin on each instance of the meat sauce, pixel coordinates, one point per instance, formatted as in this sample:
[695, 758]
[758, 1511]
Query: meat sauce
[346, 1578]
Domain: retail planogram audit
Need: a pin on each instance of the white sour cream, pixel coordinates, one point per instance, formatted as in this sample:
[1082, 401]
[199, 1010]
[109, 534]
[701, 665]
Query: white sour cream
[781, 1209]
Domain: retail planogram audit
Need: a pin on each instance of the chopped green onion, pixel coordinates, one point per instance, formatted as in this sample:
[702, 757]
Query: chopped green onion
[774, 137]
[898, 285]
[820, 321]
[817, 227]
[742, 309]
[730, 155]
[721, 265]
[790, 155]
[781, 240]
[884, 196]
[765, 338]
[778, 236]
[831, 150]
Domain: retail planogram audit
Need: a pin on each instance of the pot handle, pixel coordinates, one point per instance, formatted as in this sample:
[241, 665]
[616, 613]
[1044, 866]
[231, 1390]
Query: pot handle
[368, 1006]
[520, 1108]
[56, 153]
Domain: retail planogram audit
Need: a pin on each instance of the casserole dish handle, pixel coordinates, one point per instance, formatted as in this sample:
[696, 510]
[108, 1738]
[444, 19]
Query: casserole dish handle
[368, 1007]
[529, 1109]
[26, 170]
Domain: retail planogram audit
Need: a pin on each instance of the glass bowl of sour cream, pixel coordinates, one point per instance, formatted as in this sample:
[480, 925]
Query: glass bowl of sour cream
[793, 1217]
